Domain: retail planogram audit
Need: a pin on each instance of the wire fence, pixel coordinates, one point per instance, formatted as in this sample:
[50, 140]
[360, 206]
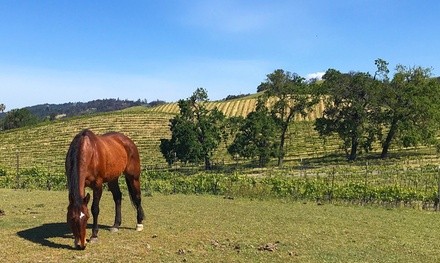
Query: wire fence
[397, 183]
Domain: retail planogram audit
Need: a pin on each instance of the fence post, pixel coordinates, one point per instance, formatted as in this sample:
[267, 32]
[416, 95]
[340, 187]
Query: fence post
[17, 176]
[333, 184]
[365, 183]
[436, 202]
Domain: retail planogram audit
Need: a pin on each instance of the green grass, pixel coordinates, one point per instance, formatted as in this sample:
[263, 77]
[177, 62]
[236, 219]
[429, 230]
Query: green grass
[195, 228]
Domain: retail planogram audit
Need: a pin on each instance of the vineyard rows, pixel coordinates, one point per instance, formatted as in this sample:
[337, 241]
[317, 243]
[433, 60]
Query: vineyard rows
[238, 107]
[44, 146]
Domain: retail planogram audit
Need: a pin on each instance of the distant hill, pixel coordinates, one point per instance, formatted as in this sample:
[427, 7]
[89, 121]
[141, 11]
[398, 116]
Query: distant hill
[70, 109]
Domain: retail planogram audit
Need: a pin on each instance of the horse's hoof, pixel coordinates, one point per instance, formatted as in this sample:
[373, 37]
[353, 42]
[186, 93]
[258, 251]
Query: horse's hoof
[93, 240]
[114, 229]
[139, 227]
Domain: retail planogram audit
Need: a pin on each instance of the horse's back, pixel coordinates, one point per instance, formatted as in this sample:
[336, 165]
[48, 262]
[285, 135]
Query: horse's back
[133, 167]
[126, 142]
[105, 157]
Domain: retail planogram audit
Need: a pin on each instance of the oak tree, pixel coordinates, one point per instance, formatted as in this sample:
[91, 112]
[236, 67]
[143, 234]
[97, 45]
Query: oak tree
[196, 131]
[286, 95]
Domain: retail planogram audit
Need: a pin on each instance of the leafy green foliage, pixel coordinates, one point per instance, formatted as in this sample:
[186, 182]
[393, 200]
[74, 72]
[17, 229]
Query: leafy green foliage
[18, 118]
[196, 131]
[383, 185]
[351, 106]
[363, 109]
[257, 137]
[411, 186]
[290, 97]
[410, 108]
[33, 178]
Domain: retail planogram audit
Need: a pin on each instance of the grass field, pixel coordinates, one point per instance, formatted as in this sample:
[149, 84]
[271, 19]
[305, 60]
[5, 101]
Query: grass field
[191, 228]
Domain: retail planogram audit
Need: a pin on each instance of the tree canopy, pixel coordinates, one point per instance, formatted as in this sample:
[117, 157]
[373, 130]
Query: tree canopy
[350, 109]
[196, 131]
[257, 136]
[410, 111]
[362, 109]
[287, 95]
[18, 118]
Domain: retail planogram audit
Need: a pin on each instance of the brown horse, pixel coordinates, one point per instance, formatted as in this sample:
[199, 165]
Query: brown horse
[93, 160]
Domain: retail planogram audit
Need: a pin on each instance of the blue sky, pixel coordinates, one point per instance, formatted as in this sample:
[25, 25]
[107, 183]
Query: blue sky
[70, 51]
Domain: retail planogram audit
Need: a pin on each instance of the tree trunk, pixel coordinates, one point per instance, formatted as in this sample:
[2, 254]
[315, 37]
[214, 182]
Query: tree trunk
[281, 148]
[207, 163]
[386, 145]
[261, 161]
[354, 147]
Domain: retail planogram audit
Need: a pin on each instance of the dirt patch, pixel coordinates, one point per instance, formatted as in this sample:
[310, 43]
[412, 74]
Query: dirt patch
[269, 247]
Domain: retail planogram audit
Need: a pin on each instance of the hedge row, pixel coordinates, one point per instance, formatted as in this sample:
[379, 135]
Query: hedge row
[331, 188]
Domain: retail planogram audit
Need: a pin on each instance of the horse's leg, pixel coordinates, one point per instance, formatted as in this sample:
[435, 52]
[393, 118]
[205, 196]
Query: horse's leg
[117, 197]
[97, 193]
[134, 188]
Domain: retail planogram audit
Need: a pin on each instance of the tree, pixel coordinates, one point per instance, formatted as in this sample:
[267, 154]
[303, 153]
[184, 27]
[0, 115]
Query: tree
[410, 109]
[351, 107]
[18, 118]
[257, 136]
[196, 131]
[287, 95]
[167, 150]
[2, 107]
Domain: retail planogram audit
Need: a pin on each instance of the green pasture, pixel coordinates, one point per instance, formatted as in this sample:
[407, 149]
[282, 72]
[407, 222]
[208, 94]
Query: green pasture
[201, 228]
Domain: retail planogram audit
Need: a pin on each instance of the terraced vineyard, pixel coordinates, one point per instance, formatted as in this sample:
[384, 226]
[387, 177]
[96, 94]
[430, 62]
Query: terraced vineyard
[238, 107]
[44, 146]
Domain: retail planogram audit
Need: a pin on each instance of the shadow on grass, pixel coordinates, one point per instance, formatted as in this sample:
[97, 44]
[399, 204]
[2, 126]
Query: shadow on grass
[41, 234]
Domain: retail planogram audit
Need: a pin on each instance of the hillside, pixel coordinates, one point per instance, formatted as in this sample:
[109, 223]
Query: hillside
[44, 146]
[237, 107]
[70, 109]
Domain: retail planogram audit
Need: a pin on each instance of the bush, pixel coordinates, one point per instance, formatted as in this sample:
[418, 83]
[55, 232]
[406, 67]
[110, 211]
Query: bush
[347, 188]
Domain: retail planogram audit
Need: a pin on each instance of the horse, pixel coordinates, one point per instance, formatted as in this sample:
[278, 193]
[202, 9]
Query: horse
[91, 161]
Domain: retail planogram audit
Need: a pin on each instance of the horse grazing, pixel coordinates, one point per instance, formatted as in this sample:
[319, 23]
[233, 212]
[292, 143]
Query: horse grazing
[93, 160]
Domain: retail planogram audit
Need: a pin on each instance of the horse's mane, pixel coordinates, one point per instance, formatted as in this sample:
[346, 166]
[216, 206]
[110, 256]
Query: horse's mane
[72, 166]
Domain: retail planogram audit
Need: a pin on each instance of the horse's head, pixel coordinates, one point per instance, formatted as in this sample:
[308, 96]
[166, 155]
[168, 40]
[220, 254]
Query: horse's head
[77, 217]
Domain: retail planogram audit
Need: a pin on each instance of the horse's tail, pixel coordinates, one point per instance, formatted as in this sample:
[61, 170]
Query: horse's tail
[135, 197]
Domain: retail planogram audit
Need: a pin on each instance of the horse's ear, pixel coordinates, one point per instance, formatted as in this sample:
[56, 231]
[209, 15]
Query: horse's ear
[86, 199]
